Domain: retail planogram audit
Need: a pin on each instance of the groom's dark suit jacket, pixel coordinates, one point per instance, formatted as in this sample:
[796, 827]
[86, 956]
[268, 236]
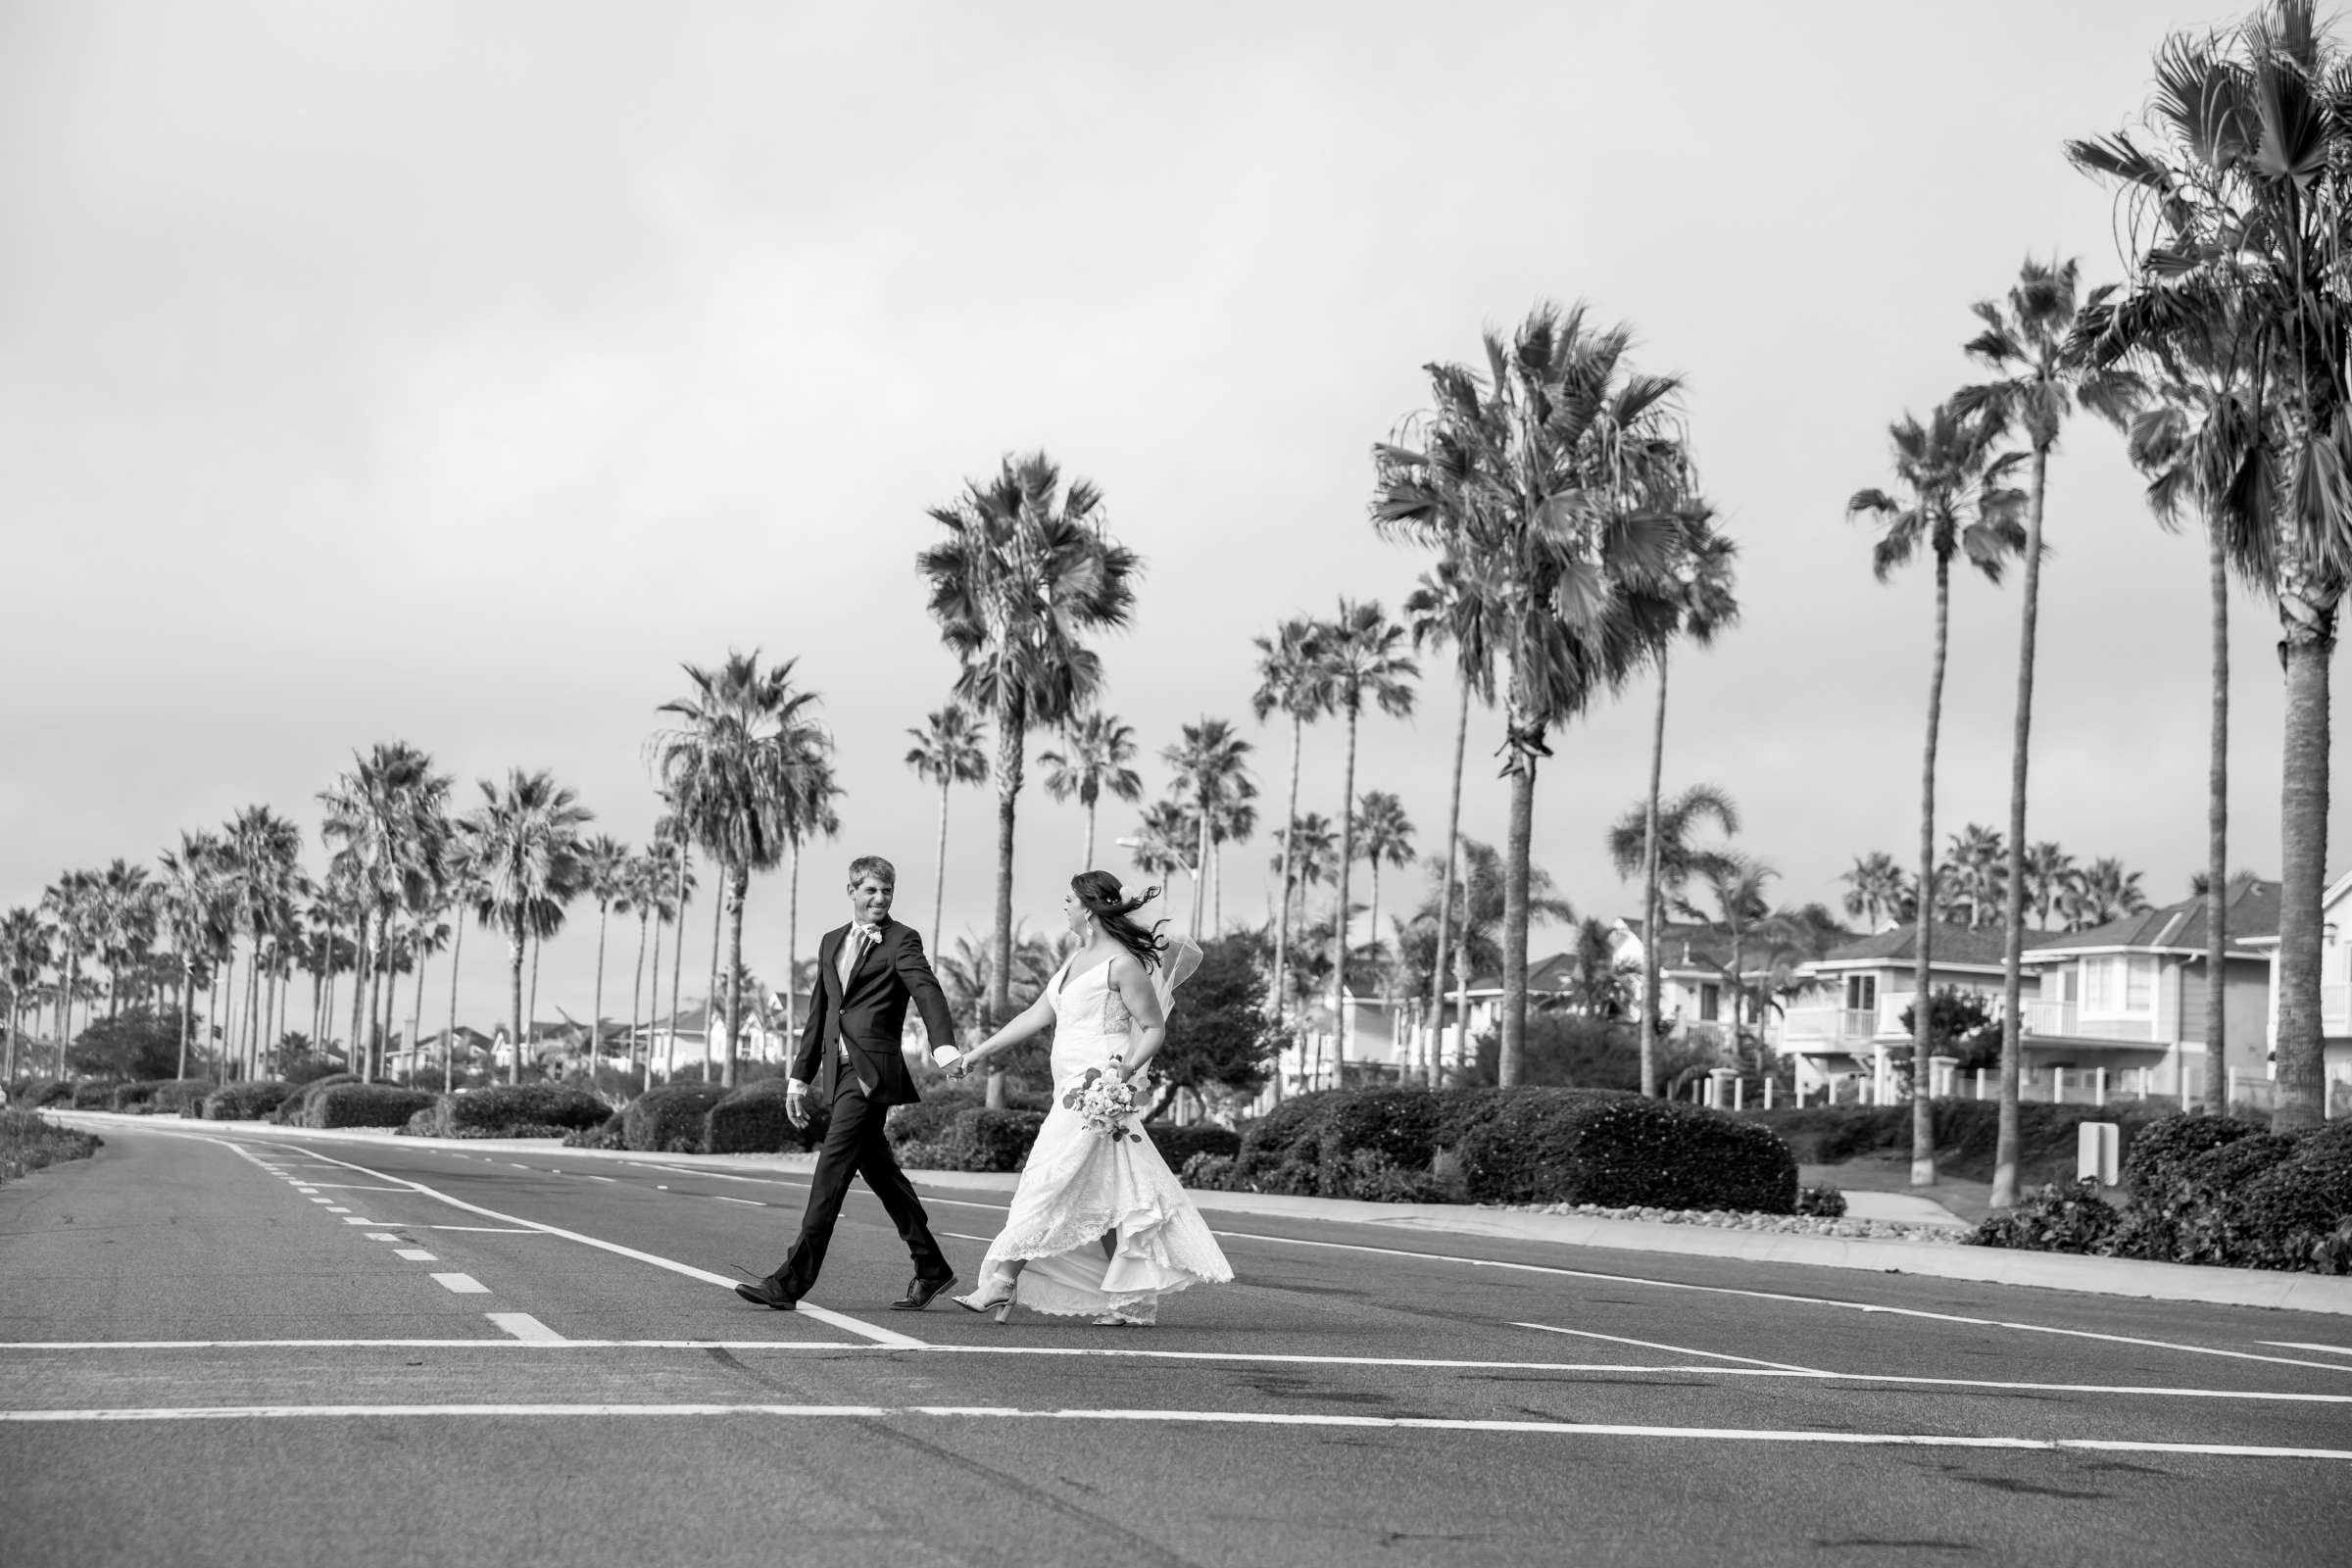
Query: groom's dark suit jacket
[869, 1016]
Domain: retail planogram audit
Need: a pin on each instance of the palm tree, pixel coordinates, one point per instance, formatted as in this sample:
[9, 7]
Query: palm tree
[389, 829]
[1874, 889]
[2026, 344]
[740, 765]
[123, 917]
[1704, 604]
[192, 917]
[1387, 840]
[1211, 764]
[606, 865]
[2203, 444]
[1566, 474]
[1291, 681]
[1364, 659]
[263, 851]
[69, 903]
[1602, 984]
[1454, 604]
[813, 816]
[1481, 898]
[1660, 846]
[25, 952]
[948, 750]
[527, 855]
[1162, 839]
[1955, 502]
[1026, 573]
[1096, 749]
[1737, 882]
[2110, 893]
[646, 888]
[1979, 867]
[2240, 202]
[1231, 818]
[461, 893]
[2049, 868]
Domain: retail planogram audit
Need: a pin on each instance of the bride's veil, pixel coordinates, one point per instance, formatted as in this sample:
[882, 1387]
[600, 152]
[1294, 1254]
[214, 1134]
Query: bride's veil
[1176, 965]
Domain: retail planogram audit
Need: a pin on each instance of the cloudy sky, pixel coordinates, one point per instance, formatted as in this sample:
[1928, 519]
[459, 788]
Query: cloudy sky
[454, 373]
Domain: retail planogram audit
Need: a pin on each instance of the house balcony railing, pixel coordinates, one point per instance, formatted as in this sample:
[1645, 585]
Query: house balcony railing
[2064, 1020]
[1833, 1026]
[2335, 1009]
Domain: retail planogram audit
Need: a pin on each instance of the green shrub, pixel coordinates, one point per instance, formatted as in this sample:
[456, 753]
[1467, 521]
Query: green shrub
[661, 1120]
[294, 1110]
[1966, 1132]
[1291, 1132]
[1572, 1146]
[364, 1105]
[2069, 1217]
[426, 1123]
[1178, 1144]
[245, 1102]
[1368, 1175]
[35, 1092]
[752, 1121]
[1400, 1125]
[998, 1140]
[92, 1097]
[604, 1134]
[167, 1096]
[2159, 1154]
[2291, 1215]
[487, 1112]
[1211, 1173]
[928, 1119]
[30, 1143]
[1821, 1202]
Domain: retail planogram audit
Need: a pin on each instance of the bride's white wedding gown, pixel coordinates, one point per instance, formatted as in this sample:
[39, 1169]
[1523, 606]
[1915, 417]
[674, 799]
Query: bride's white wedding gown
[1080, 1186]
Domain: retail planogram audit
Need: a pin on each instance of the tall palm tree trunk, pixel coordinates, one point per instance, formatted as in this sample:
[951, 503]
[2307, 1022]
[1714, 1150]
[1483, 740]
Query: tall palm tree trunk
[738, 889]
[1515, 878]
[514, 941]
[530, 1014]
[1201, 871]
[1338, 929]
[1086, 860]
[449, 1042]
[1923, 1111]
[1434, 1045]
[637, 1002]
[677, 969]
[2216, 837]
[1282, 925]
[416, 1016]
[224, 1002]
[1650, 890]
[187, 999]
[596, 1005]
[253, 1012]
[1013, 724]
[2307, 618]
[360, 954]
[718, 911]
[2013, 931]
[670, 1041]
[939, 880]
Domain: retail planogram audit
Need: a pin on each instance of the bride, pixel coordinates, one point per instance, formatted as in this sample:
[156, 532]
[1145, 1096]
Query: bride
[1099, 1226]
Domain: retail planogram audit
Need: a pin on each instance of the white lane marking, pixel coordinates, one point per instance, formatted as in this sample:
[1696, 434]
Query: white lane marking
[322, 1200]
[417, 1254]
[487, 1230]
[353, 1219]
[962, 1236]
[337, 1208]
[434, 1344]
[1776, 1295]
[616, 1178]
[306, 1190]
[751, 1203]
[2323, 1349]
[806, 1309]
[382, 1235]
[461, 1284]
[1257, 1418]
[354, 1187]
[526, 1167]
[525, 1328]
[1674, 1349]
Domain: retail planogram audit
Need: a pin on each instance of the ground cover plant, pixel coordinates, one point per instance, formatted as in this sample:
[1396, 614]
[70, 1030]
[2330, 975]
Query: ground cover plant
[30, 1142]
[1966, 1134]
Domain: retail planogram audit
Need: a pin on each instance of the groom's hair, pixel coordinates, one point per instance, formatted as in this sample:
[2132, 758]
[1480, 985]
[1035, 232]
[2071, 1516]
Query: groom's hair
[875, 866]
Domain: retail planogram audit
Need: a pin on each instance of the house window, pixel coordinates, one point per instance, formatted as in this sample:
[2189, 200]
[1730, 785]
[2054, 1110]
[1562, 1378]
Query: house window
[2123, 986]
[1862, 993]
[1710, 1002]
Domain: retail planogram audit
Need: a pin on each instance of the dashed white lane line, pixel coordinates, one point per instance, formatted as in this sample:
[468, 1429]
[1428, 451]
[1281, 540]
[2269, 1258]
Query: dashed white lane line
[461, 1284]
[1243, 1418]
[748, 1202]
[382, 1235]
[2323, 1349]
[1674, 1349]
[489, 1230]
[415, 1254]
[807, 1310]
[322, 1200]
[526, 1328]
[337, 1208]
[353, 1219]
[306, 1190]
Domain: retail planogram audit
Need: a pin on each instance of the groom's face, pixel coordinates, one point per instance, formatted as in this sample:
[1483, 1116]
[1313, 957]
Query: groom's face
[869, 900]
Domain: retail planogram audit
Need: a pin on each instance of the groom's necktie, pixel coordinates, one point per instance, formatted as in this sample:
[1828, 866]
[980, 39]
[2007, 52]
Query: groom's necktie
[852, 953]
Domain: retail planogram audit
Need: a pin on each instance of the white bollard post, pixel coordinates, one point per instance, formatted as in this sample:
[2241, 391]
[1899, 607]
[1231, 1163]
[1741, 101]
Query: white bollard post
[1738, 1093]
[2057, 1086]
[1979, 1083]
[2099, 1087]
[1767, 1093]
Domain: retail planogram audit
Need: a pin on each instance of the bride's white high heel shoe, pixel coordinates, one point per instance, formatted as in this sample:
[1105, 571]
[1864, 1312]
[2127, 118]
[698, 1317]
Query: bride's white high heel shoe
[1001, 1309]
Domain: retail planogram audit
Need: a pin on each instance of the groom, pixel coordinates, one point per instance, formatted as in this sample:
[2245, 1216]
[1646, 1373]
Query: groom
[866, 972]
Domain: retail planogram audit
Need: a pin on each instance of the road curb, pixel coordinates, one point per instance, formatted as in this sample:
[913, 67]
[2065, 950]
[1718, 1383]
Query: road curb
[2053, 1271]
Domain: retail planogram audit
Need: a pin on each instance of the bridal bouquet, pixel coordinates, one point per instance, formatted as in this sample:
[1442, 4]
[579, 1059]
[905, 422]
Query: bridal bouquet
[1105, 1105]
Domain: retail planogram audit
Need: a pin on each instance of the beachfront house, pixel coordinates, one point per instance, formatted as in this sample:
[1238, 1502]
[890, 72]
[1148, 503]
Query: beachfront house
[1849, 1012]
[2335, 995]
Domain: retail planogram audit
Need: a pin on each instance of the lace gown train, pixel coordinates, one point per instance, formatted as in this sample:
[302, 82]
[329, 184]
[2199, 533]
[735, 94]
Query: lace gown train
[1080, 1186]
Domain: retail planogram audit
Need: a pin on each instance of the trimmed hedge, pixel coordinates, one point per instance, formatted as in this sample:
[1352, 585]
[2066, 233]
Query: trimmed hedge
[928, 1119]
[93, 1097]
[168, 1095]
[36, 1093]
[246, 1102]
[1966, 1132]
[752, 1121]
[670, 1119]
[1620, 1150]
[296, 1106]
[979, 1139]
[604, 1136]
[490, 1113]
[364, 1105]
[1178, 1144]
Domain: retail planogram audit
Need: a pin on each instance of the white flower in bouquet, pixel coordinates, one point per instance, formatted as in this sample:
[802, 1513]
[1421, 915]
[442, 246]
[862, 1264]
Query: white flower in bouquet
[1104, 1103]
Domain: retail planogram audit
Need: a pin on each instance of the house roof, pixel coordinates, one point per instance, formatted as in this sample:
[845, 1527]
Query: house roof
[1685, 945]
[1551, 974]
[2252, 913]
[1981, 948]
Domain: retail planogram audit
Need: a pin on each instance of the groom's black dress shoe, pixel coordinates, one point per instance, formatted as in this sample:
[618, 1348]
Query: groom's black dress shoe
[920, 1293]
[767, 1293]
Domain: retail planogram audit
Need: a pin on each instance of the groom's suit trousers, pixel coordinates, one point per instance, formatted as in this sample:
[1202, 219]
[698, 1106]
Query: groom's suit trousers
[854, 1147]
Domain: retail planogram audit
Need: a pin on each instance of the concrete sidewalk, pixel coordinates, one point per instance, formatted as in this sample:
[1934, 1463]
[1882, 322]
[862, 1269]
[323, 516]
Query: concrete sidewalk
[2056, 1271]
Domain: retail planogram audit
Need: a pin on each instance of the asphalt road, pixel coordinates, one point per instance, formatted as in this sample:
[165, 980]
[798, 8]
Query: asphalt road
[271, 1351]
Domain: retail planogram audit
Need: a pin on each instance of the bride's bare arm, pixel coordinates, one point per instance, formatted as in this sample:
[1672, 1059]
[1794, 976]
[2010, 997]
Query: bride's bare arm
[1150, 1029]
[1037, 1015]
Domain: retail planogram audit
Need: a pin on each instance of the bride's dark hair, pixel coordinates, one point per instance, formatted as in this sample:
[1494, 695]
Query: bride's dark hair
[1101, 892]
